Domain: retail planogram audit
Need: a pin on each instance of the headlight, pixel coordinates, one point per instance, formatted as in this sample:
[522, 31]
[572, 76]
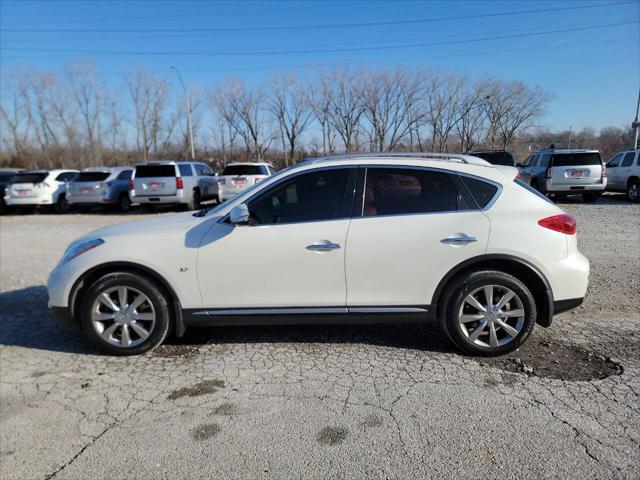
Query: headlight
[79, 248]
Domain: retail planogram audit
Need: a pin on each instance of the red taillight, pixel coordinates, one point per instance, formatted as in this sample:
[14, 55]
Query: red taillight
[519, 175]
[603, 172]
[563, 223]
[548, 173]
[179, 184]
[130, 184]
[256, 180]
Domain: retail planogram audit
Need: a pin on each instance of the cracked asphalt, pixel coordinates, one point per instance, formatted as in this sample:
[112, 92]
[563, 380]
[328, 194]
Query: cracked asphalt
[319, 401]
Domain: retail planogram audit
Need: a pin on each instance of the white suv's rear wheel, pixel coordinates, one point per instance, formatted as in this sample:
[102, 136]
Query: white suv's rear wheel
[488, 312]
[125, 314]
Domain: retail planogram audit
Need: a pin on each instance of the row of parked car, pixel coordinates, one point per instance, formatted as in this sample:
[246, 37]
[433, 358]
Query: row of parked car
[185, 184]
[561, 172]
[553, 172]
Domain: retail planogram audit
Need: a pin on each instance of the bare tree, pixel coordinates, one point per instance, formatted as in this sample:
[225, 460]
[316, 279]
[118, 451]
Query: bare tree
[472, 121]
[345, 104]
[15, 108]
[288, 104]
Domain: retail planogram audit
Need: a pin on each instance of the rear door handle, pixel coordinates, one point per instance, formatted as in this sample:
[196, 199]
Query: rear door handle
[323, 246]
[459, 240]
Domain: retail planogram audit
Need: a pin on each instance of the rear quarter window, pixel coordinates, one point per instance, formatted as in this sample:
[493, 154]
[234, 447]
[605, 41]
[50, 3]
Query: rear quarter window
[481, 191]
[147, 171]
[185, 170]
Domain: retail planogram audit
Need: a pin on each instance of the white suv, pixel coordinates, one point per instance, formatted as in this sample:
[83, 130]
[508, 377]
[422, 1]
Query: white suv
[345, 239]
[237, 176]
[39, 188]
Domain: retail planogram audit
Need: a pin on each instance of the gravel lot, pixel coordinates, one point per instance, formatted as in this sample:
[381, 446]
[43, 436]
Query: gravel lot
[322, 402]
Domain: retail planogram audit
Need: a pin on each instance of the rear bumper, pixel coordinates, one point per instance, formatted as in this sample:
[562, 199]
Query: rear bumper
[17, 201]
[89, 199]
[577, 188]
[160, 199]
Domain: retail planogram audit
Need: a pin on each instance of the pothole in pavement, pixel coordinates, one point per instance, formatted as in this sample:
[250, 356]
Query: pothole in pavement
[548, 359]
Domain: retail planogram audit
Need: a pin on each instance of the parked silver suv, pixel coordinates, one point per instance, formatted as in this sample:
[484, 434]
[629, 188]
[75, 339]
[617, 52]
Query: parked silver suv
[238, 176]
[623, 172]
[566, 172]
[101, 186]
[169, 182]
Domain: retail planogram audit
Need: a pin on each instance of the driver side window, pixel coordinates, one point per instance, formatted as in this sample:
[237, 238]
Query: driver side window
[315, 196]
[615, 161]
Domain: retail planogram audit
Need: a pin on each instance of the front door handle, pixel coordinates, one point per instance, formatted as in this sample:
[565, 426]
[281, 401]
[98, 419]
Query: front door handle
[459, 240]
[323, 246]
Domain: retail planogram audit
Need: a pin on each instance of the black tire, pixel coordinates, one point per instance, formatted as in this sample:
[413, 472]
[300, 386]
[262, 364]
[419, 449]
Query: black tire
[124, 203]
[62, 206]
[633, 191]
[148, 208]
[590, 197]
[157, 297]
[455, 294]
[196, 200]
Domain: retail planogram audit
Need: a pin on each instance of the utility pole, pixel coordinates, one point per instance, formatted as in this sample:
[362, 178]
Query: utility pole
[569, 146]
[189, 122]
[636, 124]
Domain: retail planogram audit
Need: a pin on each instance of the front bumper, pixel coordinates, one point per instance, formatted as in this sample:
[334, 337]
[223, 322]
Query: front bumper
[63, 316]
[560, 306]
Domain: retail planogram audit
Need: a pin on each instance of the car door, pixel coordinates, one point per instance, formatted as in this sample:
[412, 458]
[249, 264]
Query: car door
[414, 226]
[624, 171]
[613, 171]
[291, 255]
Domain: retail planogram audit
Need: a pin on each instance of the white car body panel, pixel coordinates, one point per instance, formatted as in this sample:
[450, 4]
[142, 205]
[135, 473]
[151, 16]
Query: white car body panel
[25, 194]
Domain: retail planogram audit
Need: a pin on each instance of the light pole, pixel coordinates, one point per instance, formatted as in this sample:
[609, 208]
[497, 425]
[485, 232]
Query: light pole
[189, 123]
[636, 124]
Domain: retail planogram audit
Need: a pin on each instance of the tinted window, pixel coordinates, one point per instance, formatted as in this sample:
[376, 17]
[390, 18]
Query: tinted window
[243, 170]
[576, 159]
[125, 175]
[91, 176]
[496, 158]
[30, 177]
[203, 170]
[482, 192]
[146, 171]
[185, 170]
[628, 159]
[308, 197]
[272, 170]
[615, 161]
[543, 160]
[66, 176]
[406, 191]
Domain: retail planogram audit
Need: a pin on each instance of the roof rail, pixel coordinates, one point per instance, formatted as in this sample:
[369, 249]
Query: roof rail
[446, 157]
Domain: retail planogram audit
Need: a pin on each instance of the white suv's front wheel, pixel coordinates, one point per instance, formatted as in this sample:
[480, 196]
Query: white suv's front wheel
[488, 312]
[125, 314]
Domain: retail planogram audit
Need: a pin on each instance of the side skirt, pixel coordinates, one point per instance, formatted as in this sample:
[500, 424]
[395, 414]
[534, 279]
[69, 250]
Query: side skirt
[304, 316]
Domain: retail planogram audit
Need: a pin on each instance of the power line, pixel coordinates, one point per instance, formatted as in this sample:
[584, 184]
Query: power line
[319, 50]
[316, 26]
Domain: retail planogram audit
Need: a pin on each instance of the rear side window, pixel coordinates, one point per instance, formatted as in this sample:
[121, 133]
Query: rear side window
[92, 176]
[125, 175]
[628, 159]
[615, 161]
[243, 170]
[407, 191]
[482, 192]
[575, 159]
[307, 197]
[203, 170]
[67, 177]
[185, 170]
[147, 171]
[30, 177]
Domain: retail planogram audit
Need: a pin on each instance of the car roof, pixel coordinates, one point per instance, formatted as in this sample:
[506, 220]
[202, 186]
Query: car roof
[248, 163]
[569, 150]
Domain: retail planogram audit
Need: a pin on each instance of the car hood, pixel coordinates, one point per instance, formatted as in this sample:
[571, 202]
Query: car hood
[153, 227]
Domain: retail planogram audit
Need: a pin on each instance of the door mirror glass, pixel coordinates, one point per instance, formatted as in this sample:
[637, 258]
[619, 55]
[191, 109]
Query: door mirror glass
[239, 215]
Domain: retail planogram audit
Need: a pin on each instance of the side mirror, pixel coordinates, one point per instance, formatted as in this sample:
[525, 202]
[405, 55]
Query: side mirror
[239, 215]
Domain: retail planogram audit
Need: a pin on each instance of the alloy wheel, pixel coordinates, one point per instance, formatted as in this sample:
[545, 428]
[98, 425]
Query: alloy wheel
[491, 316]
[123, 316]
[632, 192]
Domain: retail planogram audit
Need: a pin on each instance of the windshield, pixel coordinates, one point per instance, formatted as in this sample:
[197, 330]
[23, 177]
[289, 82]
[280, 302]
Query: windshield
[244, 170]
[92, 176]
[30, 177]
[147, 171]
[575, 159]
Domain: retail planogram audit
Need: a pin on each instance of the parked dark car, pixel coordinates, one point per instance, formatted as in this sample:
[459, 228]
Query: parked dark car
[495, 157]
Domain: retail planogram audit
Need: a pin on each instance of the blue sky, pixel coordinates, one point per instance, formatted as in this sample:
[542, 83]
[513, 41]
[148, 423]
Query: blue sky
[592, 66]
